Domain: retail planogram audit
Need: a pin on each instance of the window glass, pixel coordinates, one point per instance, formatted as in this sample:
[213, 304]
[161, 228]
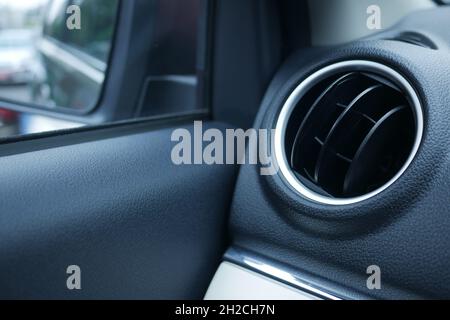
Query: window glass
[54, 53]
[95, 37]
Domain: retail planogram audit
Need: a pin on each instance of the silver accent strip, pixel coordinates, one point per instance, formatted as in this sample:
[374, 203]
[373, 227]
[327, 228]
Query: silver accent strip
[277, 273]
[298, 93]
[235, 282]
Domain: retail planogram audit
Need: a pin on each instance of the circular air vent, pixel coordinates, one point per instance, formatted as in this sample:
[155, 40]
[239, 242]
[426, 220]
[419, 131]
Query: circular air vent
[348, 132]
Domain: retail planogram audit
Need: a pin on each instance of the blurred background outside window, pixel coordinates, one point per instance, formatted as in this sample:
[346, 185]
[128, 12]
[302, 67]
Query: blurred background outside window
[43, 62]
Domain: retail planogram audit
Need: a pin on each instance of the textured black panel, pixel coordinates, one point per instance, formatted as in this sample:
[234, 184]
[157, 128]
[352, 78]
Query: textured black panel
[404, 230]
[137, 225]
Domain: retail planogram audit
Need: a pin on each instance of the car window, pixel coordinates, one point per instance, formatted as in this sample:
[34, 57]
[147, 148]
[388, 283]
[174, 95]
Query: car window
[54, 53]
[98, 22]
[15, 40]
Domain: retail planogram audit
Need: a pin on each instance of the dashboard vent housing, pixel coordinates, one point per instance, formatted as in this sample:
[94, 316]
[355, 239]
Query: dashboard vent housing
[348, 132]
[416, 39]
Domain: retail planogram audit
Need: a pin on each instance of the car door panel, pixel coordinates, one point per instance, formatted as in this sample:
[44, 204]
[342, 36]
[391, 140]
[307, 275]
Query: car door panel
[137, 225]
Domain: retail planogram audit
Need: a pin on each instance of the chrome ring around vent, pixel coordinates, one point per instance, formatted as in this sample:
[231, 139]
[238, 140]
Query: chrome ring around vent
[299, 92]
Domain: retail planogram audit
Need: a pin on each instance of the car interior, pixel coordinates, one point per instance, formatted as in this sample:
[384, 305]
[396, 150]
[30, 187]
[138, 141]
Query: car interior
[117, 176]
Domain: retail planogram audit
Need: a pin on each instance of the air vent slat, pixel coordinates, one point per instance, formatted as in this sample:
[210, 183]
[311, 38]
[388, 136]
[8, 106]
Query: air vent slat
[302, 132]
[343, 144]
[325, 110]
[380, 153]
[353, 137]
[344, 126]
[344, 158]
[382, 80]
[319, 141]
[366, 117]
